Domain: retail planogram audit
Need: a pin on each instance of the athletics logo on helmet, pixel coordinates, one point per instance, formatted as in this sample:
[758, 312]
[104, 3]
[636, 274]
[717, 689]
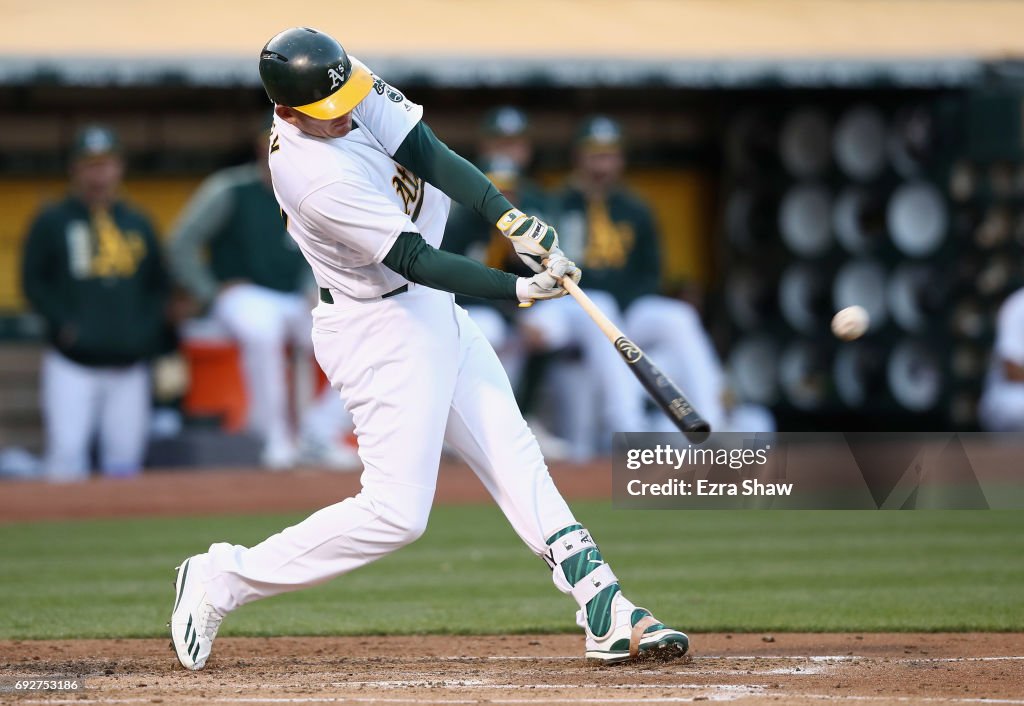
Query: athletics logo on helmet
[337, 76]
[309, 71]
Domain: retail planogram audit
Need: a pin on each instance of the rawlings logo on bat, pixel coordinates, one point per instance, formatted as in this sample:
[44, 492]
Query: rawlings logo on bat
[629, 350]
[680, 407]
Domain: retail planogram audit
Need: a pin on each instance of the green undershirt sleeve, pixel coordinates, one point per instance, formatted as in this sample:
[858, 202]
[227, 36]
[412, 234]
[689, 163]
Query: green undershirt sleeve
[418, 262]
[432, 160]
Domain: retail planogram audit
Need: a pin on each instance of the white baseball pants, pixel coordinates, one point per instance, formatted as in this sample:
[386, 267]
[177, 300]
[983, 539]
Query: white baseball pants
[415, 371]
[504, 339]
[79, 400]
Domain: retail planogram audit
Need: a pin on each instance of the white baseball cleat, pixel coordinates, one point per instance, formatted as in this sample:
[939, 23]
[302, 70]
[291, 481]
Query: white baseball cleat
[635, 634]
[194, 620]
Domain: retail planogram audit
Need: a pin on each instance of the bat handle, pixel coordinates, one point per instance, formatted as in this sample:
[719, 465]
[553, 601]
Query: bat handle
[600, 318]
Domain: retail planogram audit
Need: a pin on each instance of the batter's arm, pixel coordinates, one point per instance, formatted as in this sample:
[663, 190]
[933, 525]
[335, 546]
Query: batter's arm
[413, 258]
[422, 153]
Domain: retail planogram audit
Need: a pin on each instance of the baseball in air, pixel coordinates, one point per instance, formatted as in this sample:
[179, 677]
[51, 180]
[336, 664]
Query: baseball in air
[850, 323]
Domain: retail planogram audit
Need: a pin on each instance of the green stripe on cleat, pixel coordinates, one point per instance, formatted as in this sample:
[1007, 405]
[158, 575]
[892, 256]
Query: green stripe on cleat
[181, 588]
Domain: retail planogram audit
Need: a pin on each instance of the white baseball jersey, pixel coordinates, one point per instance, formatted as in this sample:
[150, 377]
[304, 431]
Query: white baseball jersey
[346, 200]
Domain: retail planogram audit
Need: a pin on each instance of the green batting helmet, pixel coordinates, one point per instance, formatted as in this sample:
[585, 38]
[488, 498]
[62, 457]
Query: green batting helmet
[309, 71]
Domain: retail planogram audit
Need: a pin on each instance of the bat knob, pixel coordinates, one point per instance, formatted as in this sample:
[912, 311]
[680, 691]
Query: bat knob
[698, 434]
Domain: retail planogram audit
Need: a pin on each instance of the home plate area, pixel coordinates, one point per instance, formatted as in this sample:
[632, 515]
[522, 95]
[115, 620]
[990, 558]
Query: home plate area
[891, 668]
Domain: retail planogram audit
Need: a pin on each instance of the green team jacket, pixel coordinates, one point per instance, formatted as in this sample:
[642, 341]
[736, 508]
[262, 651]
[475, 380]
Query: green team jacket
[232, 229]
[614, 241]
[98, 280]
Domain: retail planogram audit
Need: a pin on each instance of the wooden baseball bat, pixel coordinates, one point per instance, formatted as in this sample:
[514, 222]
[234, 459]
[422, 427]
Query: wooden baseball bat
[661, 389]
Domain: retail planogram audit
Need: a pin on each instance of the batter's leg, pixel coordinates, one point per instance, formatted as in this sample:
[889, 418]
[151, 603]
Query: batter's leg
[486, 428]
[395, 362]
[502, 337]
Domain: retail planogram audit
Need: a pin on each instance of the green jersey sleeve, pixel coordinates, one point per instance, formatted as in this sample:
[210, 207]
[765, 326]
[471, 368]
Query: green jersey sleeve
[418, 262]
[429, 158]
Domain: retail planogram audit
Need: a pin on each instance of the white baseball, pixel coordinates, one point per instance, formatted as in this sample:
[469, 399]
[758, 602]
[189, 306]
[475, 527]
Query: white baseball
[850, 323]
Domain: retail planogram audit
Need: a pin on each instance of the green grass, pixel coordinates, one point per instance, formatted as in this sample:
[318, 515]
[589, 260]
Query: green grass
[701, 571]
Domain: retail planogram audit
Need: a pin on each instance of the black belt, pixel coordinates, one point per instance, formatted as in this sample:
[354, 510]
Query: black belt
[327, 298]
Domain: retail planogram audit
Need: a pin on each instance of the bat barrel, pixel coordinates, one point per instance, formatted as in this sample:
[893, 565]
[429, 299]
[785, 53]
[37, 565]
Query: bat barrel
[661, 389]
[664, 392]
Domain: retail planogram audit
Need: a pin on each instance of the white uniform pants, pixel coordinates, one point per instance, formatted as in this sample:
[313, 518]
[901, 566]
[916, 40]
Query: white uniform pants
[503, 339]
[415, 371]
[264, 321]
[77, 401]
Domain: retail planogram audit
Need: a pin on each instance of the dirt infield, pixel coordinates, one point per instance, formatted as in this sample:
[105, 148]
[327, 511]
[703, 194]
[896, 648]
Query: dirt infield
[542, 669]
[209, 492]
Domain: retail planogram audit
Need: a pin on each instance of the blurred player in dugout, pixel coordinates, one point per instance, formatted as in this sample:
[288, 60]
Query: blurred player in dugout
[231, 252]
[504, 154]
[92, 269]
[1001, 407]
[612, 233]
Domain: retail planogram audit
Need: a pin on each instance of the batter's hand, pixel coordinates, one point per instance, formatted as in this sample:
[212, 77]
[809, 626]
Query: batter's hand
[547, 284]
[559, 266]
[533, 239]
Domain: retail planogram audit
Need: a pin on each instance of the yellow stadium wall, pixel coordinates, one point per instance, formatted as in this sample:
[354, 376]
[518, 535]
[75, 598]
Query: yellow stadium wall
[21, 199]
[684, 206]
[681, 199]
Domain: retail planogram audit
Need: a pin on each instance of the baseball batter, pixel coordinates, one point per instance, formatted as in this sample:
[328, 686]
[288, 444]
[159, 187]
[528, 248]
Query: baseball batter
[365, 187]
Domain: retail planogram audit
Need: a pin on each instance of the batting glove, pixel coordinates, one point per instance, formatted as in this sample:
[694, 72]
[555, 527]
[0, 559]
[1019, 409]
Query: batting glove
[533, 239]
[547, 284]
